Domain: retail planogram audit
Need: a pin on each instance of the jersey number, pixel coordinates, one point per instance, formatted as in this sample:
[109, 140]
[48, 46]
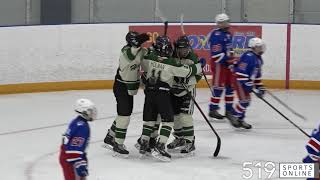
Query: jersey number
[154, 79]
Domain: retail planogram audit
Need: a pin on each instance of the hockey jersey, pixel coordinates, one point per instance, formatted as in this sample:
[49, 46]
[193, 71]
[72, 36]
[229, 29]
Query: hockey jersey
[75, 141]
[162, 70]
[129, 68]
[313, 147]
[248, 70]
[220, 46]
[178, 88]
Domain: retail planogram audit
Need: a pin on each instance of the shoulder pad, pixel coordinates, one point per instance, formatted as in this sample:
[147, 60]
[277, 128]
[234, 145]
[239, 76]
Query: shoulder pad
[125, 48]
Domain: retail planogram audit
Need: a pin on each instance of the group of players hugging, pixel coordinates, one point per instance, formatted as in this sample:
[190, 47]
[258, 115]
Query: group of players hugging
[169, 74]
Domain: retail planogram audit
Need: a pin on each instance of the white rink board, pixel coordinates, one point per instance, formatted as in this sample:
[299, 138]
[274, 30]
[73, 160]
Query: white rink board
[305, 63]
[90, 52]
[275, 36]
[59, 53]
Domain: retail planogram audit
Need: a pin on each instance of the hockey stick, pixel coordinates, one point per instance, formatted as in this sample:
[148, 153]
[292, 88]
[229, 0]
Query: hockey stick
[181, 24]
[286, 106]
[184, 33]
[281, 114]
[206, 79]
[216, 152]
[159, 14]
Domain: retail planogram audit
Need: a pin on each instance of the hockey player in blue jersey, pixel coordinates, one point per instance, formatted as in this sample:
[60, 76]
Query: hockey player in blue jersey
[313, 147]
[73, 158]
[246, 77]
[221, 58]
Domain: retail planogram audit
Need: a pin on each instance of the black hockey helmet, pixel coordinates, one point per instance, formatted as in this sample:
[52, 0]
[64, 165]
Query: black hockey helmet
[182, 46]
[131, 38]
[163, 46]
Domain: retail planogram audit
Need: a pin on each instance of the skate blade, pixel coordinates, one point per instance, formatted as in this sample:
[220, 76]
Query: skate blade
[144, 156]
[190, 154]
[107, 146]
[157, 156]
[124, 156]
[218, 120]
[175, 150]
[243, 129]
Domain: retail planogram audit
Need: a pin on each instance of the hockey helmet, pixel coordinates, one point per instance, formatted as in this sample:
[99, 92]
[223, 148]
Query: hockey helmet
[163, 46]
[86, 109]
[257, 45]
[222, 18]
[182, 46]
[131, 38]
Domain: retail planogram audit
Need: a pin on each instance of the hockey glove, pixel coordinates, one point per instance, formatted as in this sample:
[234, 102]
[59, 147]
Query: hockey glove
[248, 86]
[81, 168]
[203, 62]
[142, 38]
[260, 91]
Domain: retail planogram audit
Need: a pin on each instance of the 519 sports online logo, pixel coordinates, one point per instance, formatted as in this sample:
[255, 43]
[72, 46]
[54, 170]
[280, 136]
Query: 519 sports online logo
[271, 170]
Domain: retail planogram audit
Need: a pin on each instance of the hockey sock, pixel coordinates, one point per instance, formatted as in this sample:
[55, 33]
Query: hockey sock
[112, 130]
[188, 130]
[215, 99]
[122, 123]
[177, 126]
[240, 108]
[147, 130]
[229, 98]
[165, 132]
[155, 132]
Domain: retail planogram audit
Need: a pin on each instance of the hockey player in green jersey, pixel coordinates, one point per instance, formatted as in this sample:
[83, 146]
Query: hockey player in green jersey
[182, 103]
[160, 69]
[126, 85]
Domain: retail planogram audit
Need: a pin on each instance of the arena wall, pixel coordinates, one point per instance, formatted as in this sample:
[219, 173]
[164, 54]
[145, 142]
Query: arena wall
[85, 56]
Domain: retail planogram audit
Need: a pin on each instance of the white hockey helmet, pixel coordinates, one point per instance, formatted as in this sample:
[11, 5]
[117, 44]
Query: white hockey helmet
[86, 109]
[222, 18]
[257, 44]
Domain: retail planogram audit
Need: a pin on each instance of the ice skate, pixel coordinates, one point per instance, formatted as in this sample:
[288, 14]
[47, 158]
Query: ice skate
[216, 115]
[120, 150]
[160, 152]
[108, 141]
[244, 124]
[234, 121]
[176, 144]
[188, 149]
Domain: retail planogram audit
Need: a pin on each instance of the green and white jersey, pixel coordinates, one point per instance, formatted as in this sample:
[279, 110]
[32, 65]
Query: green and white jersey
[179, 89]
[129, 67]
[163, 70]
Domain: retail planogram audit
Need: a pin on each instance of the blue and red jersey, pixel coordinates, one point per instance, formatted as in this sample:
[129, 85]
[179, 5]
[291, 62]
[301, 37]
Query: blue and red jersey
[221, 46]
[76, 140]
[313, 147]
[248, 70]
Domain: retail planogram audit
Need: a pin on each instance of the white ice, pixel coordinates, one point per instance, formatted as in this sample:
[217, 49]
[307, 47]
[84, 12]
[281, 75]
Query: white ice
[33, 154]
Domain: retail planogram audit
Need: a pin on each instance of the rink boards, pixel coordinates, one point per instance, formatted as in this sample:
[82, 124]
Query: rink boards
[85, 56]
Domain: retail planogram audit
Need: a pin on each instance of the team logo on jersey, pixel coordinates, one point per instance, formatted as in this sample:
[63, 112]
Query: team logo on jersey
[133, 67]
[80, 123]
[243, 66]
[216, 48]
[77, 141]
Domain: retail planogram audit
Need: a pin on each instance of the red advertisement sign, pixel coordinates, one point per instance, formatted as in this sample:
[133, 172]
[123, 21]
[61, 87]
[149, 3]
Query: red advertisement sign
[199, 35]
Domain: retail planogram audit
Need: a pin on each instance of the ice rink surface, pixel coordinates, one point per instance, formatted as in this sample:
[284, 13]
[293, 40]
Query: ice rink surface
[32, 125]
